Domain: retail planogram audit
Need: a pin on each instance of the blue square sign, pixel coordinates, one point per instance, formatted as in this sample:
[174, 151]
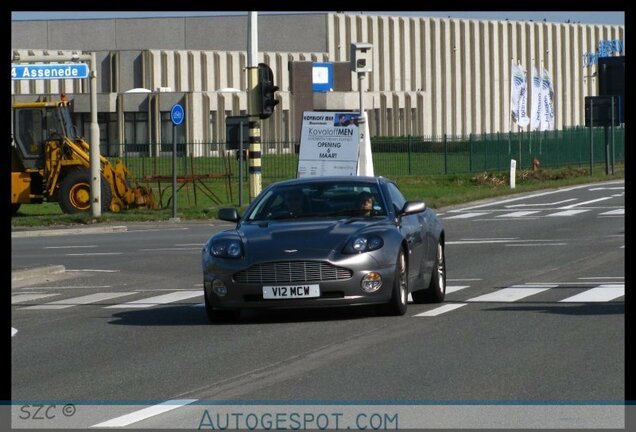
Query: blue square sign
[322, 77]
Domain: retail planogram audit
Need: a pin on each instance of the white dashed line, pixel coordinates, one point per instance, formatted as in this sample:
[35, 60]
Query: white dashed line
[145, 413]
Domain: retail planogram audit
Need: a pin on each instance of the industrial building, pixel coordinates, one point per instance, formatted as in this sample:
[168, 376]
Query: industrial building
[431, 76]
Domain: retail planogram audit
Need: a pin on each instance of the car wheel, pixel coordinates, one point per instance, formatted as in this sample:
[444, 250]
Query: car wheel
[436, 290]
[398, 303]
[219, 315]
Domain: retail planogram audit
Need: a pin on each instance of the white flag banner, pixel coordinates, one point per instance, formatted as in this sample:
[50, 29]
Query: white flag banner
[547, 92]
[536, 110]
[519, 96]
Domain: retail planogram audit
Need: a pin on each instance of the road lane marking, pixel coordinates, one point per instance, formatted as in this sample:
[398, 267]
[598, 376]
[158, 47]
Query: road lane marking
[541, 204]
[567, 213]
[145, 413]
[585, 202]
[511, 294]
[607, 188]
[466, 215]
[93, 270]
[602, 293]
[440, 310]
[455, 288]
[95, 254]
[536, 244]
[70, 247]
[83, 300]
[158, 300]
[68, 287]
[613, 212]
[170, 249]
[518, 214]
[13, 331]
[21, 298]
[602, 277]
[567, 189]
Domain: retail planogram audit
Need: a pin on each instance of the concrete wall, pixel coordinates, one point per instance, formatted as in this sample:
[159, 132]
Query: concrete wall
[298, 32]
[431, 76]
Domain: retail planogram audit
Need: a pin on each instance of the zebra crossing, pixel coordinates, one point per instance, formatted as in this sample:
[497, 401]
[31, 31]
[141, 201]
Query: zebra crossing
[601, 293]
[587, 293]
[525, 214]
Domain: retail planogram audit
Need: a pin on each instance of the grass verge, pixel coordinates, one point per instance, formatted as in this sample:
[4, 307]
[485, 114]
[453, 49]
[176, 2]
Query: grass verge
[438, 191]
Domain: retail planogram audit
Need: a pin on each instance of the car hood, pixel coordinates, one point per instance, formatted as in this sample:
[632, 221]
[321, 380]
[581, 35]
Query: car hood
[311, 239]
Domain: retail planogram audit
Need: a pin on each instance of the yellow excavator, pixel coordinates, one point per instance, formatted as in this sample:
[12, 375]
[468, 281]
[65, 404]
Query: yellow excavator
[51, 162]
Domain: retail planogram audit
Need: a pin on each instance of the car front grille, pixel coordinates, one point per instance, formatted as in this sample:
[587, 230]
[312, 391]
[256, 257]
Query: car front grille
[292, 271]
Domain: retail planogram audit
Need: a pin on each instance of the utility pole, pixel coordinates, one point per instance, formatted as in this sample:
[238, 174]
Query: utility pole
[253, 102]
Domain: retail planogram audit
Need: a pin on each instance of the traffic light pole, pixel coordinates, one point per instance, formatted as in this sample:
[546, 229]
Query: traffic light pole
[253, 100]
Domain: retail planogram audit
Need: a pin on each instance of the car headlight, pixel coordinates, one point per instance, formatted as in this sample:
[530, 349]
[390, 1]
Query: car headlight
[361, 244]
[226, 248]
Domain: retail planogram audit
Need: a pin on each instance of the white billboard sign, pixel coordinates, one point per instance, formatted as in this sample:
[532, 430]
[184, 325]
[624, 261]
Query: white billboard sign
[329, 143]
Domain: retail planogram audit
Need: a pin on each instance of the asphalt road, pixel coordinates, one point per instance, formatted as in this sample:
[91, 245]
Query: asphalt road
[534, 315]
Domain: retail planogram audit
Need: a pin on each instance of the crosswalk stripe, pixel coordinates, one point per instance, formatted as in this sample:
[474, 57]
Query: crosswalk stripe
[601, 293]
[453, 288]
[567, 213]
[466, 215]
[518, 214]
[158, 300]
[440, 310]
[613, 212]
[87, 299]
[510, 294]
[21, 298]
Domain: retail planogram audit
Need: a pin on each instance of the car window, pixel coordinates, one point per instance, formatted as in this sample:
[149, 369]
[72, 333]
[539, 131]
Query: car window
[396, 196]
[325, 200]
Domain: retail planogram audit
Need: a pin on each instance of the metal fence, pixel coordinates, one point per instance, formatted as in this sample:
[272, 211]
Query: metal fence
[392, 156]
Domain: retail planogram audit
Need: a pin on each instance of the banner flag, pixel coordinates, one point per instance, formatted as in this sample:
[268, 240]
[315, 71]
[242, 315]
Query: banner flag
[519, 96]
[536, 110]
[547, 92]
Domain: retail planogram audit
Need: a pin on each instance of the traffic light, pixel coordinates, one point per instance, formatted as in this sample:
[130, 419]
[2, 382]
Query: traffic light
[267, 90]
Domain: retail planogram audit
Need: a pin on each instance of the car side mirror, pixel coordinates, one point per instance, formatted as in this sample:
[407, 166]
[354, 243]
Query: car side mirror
[412, 207]
[229, 214]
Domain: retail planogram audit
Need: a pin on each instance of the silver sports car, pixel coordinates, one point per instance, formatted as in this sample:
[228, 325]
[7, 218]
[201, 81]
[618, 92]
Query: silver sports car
[322, 242]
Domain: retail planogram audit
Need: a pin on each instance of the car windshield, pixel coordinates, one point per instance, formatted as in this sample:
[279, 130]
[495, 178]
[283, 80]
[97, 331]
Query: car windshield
[322, 200]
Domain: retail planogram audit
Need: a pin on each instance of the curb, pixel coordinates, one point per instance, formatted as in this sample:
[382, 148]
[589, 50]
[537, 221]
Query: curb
[19, 275]
[68, 231]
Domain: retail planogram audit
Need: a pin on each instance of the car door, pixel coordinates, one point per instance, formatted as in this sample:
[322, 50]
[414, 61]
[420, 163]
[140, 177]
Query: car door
[411, 227]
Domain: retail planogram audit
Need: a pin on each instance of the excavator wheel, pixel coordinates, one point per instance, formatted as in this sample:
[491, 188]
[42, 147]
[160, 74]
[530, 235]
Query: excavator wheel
[75, 192]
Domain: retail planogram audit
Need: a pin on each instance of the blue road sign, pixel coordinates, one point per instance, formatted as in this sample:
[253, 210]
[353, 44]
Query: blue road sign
[49, 71]
[177, 114]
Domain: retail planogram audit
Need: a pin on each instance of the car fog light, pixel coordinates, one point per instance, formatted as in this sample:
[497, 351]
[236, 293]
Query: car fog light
[371, 282]
[219, 288]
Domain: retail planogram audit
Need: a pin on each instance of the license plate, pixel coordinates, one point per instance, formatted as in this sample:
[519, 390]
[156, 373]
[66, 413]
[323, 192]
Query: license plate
[291, 291]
